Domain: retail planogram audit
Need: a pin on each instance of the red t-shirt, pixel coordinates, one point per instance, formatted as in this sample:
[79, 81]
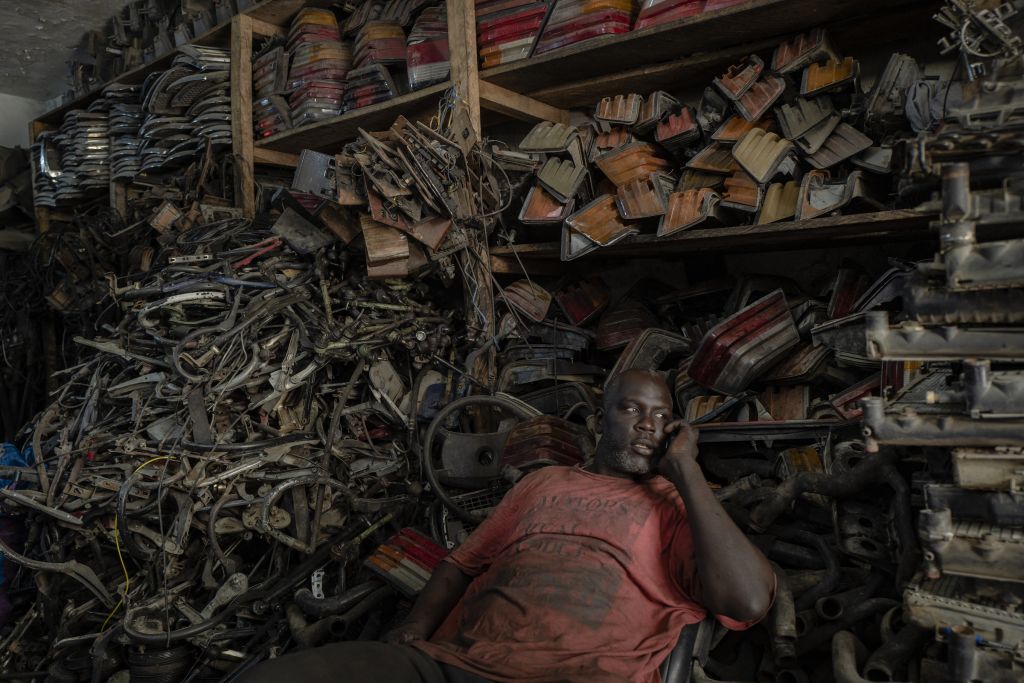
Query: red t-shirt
[578, 577]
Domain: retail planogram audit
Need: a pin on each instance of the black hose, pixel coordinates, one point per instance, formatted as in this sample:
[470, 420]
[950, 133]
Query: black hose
[824, 632]
[831, 578]
[891, 659]
[323, 607]
[841, 485]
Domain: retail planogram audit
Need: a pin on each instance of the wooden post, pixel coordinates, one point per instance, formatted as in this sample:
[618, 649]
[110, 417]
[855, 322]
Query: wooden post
[463, 57]
[241, 113]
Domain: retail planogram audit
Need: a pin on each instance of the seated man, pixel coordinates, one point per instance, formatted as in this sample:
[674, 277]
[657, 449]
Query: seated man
[580, 574]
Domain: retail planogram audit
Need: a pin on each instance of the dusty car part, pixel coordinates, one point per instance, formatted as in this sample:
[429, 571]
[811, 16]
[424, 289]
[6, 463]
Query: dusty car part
[844, 142]
[735, 128]
[742, 193]
[886, 104]
[619, 110]
[995, 469]
[622, 323]
[990, 606]
[541, 208]
[677, 129]
[911, 340]
[548, 136]
[626, 163]
[803, 50]
[1000, 508]
[467, 460]
[714, 158]
[808, 122]
[928, 300]
[829, 75]
[544, 440]
[650, 351]
[528, 298]
[780, 202]
[760, 153]
[580, 301]
[973, 265]
[738, 78]
[644, 197]
[600, 222]
[688, 209]
[989, 393]
[821, 194]
[652, 109]
[760, 97]
[562, 178]
[910, 428]
[970, 548]
[745, 345]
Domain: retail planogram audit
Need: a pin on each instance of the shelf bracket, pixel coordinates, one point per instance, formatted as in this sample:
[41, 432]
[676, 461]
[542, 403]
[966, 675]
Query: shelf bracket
[504, 101]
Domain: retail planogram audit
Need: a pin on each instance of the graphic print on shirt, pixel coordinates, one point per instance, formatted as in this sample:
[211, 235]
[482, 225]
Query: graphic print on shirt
[557, 530]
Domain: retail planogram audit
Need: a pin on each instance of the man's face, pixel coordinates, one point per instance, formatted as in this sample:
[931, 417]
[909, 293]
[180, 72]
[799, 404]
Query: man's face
[635, 417]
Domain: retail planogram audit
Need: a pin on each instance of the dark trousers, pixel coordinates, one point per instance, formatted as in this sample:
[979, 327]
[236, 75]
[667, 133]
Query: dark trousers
[358, 662]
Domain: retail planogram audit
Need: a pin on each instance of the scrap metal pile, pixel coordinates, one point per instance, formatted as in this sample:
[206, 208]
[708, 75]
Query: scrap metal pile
[792, 137]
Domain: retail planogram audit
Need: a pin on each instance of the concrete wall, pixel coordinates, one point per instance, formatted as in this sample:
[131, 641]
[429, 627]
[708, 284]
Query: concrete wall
[15, 114]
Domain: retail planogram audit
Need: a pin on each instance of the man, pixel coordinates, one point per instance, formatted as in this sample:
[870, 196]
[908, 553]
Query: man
[580, 574]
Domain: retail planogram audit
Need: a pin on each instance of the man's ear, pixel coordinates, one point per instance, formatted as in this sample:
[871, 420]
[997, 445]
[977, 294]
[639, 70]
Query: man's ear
[597, 421]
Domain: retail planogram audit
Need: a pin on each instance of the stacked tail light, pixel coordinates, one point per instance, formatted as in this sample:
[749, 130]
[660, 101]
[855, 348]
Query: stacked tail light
[380, 42]
[369, 85]
[427, 49]
[574, 21]
[320, 63]
[507, 29]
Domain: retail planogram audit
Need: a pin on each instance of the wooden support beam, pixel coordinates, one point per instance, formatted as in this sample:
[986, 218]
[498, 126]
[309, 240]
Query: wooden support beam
[272, 157]
[264, 29]
[241, 113]
[504, 101]
[463, 57]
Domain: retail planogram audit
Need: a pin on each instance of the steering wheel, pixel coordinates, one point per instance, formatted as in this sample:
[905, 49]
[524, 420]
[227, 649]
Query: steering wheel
[468, 459]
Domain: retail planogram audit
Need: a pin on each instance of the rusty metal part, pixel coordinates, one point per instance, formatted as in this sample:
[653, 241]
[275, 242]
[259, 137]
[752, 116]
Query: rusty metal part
[802, 50]
[742, 193]
[688, 209]
[780, 202]
[644, 197]
[600, 222]
[829, 75]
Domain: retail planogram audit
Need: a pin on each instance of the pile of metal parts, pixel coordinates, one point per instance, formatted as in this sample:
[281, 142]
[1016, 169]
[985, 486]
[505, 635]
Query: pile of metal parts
[963, 417]
[143, 31]
[790, 137]
[161, 127]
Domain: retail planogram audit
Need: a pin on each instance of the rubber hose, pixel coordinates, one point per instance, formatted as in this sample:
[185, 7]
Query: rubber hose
[323, 607]
[847, 655]
[782, 622]
[824, 632]
[891, 658]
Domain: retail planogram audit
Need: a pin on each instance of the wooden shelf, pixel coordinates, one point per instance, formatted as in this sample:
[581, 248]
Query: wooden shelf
[270, 11]
[753, 21]
[882, 226]
[331, 134]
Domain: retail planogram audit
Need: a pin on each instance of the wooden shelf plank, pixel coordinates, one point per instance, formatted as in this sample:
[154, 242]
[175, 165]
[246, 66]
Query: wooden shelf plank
[331, 134]
[895, 225]
[752, 21]
[267, 11]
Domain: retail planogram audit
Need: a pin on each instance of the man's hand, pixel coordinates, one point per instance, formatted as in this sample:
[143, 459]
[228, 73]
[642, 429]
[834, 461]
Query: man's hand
[682, 450]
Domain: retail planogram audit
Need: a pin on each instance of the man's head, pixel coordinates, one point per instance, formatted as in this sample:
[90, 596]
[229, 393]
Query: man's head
[637, 408]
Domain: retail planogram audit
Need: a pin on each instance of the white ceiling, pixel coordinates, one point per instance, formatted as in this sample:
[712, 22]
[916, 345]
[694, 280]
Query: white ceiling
[38, 38]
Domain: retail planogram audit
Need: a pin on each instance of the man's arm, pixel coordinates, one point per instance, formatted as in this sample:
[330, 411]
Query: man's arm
[736, 579]
[435, 602]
